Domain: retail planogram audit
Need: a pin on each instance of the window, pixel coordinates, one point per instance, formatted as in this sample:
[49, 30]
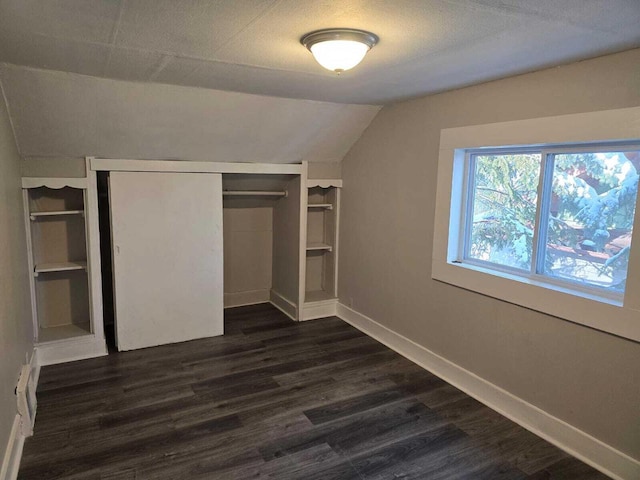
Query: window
[502, 208]
[545, 223]
[563, 215]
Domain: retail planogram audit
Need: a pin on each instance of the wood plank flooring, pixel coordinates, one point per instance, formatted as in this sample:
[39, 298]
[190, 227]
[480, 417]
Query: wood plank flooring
[274, 399]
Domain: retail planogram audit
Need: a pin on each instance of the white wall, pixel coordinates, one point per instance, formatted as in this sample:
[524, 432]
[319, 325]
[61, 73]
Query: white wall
[54, 167]
[248, 245]
[60, 114]
[16, 335]
[325, 170]
[588, 378]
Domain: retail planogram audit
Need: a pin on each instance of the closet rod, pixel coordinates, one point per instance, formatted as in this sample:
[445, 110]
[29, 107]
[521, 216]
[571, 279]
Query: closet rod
[252, 193]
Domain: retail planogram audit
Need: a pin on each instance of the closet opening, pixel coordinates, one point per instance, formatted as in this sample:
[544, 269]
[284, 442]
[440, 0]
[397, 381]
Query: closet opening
[261, 233]
[104, 221]
[260, 248]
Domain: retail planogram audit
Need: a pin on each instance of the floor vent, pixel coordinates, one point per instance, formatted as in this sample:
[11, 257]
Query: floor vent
[26, 393]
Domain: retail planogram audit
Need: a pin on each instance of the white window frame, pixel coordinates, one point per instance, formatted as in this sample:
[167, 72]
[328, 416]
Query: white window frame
[616, 314]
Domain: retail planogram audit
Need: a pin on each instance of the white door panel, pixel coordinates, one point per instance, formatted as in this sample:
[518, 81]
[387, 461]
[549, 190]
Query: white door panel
[167, 257]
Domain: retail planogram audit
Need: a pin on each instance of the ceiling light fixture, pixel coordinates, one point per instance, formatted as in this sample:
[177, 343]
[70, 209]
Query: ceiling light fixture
[339, 49]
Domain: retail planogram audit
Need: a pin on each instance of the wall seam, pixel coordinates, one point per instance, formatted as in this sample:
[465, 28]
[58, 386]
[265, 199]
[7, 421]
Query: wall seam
[13, 128]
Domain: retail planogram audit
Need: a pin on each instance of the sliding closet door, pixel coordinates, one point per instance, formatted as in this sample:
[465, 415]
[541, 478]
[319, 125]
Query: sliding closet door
[167, 257]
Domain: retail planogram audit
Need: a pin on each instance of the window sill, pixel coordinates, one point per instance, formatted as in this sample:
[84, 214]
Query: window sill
[602, 313]
[617, 302]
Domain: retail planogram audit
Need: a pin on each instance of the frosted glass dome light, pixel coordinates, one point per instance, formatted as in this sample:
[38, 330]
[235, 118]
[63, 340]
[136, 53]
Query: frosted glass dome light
[339, 49]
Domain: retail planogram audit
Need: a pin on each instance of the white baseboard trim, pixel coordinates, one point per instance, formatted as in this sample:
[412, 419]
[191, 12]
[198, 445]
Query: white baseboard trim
[320, 309]
[13, 453]
[71, 350]
[240, 299]
[581, 445]
[284, 305]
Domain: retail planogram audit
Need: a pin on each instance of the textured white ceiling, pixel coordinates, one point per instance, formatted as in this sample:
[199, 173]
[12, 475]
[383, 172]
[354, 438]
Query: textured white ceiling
[253, 45]
[56, 114]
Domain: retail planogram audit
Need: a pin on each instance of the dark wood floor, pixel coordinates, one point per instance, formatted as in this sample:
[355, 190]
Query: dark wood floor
[274, 399]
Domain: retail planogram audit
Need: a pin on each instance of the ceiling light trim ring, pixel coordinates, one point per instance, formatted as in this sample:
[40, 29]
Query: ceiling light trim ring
[328, 34]
[339, 49]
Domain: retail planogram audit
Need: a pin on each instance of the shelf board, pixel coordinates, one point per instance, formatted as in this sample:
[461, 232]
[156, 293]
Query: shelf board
[34, 215]
[327, 206]
[59, 267]
[319, 246]
[62, 332]
[253, 193]
[317, 296]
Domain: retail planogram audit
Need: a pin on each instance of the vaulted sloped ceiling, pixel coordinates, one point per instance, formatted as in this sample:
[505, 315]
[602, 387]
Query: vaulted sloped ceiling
[172, 63]
[56, 114]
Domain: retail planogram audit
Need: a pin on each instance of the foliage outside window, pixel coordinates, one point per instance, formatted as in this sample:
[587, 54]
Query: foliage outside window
[563, 214]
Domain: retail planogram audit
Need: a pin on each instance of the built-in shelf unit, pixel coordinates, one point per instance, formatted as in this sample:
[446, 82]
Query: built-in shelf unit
[61, 288]
[322, 248]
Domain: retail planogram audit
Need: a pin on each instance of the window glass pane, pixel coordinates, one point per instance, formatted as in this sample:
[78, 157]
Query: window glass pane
[504, 209]
[591, 214]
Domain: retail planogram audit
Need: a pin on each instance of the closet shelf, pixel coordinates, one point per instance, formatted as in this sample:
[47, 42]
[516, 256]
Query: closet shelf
[319, 246]
[252, 193]
[327, 206]
[62, 332]
[34, 215]
[59, 267]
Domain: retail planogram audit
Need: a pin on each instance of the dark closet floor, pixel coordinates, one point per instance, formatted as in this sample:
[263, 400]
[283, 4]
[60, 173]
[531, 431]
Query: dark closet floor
[274, 399]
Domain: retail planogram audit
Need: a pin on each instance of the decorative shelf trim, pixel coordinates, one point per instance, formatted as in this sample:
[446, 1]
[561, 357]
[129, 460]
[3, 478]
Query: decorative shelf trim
[326, 206]
[319, 246]
[58, 267]
[324, 183]
[55, 183]
[34, 215]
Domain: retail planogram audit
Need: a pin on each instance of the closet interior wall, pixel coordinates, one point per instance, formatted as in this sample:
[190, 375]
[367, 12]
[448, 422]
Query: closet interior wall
[106, 259]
